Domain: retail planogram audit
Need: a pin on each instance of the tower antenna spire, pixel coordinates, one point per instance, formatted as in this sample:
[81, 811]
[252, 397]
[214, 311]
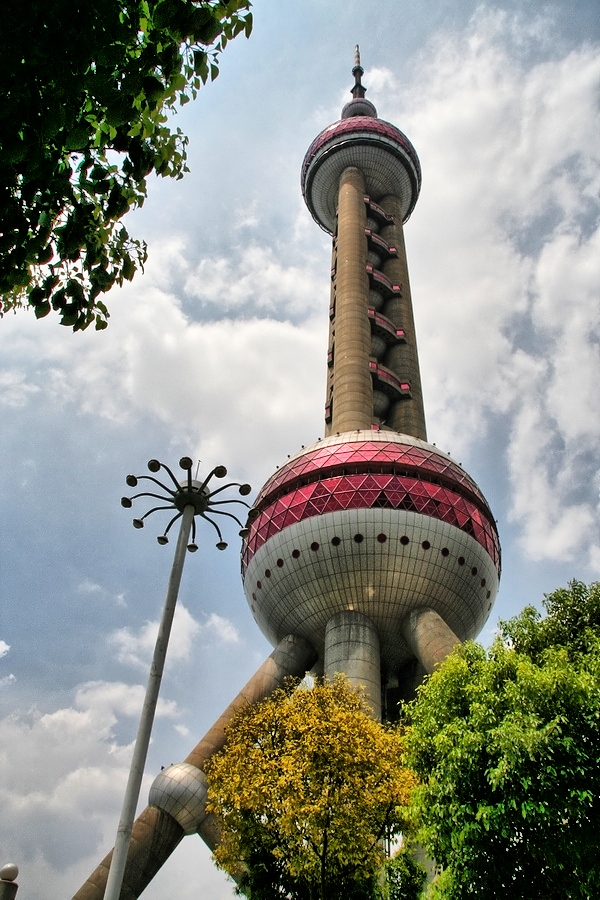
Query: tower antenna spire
[358, 91]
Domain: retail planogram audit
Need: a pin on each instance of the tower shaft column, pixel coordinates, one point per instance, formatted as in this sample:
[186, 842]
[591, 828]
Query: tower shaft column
[352, 386]
[352, 648]
[407, 416]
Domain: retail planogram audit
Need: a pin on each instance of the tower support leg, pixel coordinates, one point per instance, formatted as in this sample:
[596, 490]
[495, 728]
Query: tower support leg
[157, 833]
[428, 636]
[352, 647]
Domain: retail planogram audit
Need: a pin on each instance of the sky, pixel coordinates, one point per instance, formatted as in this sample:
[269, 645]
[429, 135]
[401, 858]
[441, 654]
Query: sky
[219, 352]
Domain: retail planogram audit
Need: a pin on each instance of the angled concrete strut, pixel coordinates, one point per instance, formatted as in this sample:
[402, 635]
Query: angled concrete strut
[156, 833]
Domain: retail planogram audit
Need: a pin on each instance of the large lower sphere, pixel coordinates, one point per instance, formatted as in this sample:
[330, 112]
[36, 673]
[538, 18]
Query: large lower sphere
[376, 522]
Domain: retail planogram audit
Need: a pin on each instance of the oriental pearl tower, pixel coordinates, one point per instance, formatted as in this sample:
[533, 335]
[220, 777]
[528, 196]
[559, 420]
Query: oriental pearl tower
[370, 552]
[371, 544]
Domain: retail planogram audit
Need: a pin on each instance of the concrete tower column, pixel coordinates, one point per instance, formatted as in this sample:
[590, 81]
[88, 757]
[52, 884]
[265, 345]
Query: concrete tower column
[408, 414]
[352, 386]
[156, 833]
[428, 636]
[352, 647]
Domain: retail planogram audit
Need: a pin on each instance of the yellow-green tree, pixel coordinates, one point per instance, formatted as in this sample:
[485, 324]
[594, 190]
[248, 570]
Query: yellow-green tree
[306, 789]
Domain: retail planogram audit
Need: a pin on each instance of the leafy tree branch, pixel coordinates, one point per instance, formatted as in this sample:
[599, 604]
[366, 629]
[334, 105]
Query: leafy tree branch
[88, 88]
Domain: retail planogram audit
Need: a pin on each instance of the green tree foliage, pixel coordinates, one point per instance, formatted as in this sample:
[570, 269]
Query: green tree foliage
[306, 788]
[507, 746]
[87, 87]
[404, 878]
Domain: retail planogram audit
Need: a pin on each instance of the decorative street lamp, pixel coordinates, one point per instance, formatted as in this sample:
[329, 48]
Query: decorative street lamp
[189, 499]
[8, 885]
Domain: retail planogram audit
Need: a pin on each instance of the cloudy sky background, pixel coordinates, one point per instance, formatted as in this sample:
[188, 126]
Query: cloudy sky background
[218, 352]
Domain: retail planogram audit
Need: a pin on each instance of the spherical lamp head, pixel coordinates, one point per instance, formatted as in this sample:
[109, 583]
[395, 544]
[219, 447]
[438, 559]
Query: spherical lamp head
[131, 480]
[138, 523]
[220, 471]
[153, 465]
[186, 463]
[126, 502]
[9, 872]
[245, 489]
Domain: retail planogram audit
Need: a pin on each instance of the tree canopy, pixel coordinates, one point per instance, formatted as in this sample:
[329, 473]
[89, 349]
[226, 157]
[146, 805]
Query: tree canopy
[404, 877]
[87, 87]
[507, 746]
[306, 789]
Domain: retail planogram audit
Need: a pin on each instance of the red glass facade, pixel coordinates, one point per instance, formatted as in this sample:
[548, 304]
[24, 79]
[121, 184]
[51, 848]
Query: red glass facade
[353, 125]
[366, 475]
[375, 456]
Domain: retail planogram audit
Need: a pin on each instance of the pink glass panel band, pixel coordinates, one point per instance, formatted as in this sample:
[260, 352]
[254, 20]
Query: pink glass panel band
[368, 491]
[356, 125]
[377, 456]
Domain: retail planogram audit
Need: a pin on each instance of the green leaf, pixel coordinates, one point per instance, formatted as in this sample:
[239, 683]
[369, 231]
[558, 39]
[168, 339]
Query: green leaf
[36, 296]
[128, 269]
[42, 309]
[77, 139]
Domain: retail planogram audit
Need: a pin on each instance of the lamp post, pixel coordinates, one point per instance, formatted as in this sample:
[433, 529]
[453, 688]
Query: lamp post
[189, 499]
[8, 885]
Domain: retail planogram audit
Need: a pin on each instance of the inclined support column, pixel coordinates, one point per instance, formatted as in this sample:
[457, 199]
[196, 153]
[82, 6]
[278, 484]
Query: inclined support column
[407, 415]
[352, 648]
[352, 385]
[156, 833]
[428, 636]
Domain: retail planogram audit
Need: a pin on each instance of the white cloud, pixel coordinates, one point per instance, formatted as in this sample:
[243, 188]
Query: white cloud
[240, 374]
[192, 870]
[248, 216]
[553, 528]
[505, 253]
[92, 589]
[135, 649]
[258, 280]
[89, 587]
[183, 730]
[221, 628]
[108, 700]
[14, 390]
[5, 680]
[62, 779]
[155, 361]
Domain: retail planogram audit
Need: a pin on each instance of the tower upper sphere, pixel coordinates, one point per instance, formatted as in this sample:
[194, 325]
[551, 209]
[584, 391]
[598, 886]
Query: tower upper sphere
[381, 151]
